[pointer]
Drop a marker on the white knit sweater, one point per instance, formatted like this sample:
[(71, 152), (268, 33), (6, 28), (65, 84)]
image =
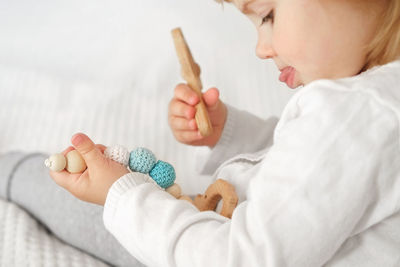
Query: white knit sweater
[(320, 188)]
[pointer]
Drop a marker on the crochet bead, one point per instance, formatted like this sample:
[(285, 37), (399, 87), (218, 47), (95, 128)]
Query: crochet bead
[(118, 153), (163, 173), (141, 160)]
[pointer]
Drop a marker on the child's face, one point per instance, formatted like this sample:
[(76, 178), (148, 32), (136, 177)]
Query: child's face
[(318, 38)]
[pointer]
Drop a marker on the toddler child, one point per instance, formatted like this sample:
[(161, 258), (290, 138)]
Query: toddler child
[(319, 187)]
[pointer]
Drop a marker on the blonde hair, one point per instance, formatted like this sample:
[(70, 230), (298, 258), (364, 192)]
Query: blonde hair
[(385, 46)]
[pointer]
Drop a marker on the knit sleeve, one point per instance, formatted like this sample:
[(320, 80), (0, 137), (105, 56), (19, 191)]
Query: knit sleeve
[(331, 173), (243, 133)]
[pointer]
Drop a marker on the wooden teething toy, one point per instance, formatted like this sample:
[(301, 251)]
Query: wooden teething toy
[(191, 73), (161, 173), (72, 161)]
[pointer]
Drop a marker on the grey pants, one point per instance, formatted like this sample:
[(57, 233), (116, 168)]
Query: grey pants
[(25, 181)]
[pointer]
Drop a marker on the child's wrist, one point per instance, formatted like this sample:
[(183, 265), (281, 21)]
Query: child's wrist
[(217, 136), (108, 186), (219, 129)]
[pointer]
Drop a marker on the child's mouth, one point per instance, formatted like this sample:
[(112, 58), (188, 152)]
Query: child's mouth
[(287, 76)]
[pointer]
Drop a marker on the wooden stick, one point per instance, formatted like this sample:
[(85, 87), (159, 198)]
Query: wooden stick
[(191, 73)]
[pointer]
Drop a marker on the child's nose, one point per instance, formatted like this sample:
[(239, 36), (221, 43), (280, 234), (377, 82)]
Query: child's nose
[(264, 48)]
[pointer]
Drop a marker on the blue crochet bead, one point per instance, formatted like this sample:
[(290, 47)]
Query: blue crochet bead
[(163, 173), (141, 160)]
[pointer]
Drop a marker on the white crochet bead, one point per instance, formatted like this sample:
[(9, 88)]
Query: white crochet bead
[(118, 153)]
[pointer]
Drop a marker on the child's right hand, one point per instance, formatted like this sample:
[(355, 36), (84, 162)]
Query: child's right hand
[(181, 113)]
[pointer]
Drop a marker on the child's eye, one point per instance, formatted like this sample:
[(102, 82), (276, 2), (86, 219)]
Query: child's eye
[(270, 16)]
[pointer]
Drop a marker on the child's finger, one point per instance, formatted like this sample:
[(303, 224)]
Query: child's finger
[(180, 109), (101, 147), (186, 94), (77, 183), (178, 123), (211, 98), (64, 178), (90, 153), (189, 136), (70, 148)]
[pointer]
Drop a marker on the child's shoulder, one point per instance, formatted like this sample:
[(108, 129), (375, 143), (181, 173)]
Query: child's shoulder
[(371, 97), (379, 85)]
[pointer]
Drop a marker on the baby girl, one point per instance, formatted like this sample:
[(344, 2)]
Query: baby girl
[(320, 187)]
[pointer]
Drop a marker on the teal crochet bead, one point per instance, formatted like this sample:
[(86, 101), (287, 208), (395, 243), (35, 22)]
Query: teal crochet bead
[(163, 173), (141, 160)]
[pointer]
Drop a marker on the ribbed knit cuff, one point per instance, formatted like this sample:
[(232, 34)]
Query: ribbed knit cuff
[(120, 187)]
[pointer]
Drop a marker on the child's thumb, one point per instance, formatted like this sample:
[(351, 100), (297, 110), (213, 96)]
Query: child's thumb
[(86, 148), (211, 98)]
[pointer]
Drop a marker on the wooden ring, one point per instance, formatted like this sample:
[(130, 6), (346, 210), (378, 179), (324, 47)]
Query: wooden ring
[(221, 189)]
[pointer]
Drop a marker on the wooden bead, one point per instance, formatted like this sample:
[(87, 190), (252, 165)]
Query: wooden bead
[(174, 190), (187, 198), (75, 162), (56, 162)]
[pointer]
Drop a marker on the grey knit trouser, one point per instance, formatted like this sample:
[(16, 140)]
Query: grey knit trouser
[(25, 181)]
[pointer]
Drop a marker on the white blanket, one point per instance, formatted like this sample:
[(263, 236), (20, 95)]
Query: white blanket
[(109, 68), (24, 242)]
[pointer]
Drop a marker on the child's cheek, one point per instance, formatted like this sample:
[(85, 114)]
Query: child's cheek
[(291, 36), (288, 44)]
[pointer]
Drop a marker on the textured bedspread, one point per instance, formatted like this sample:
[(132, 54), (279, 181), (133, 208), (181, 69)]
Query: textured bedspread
[(24, 242)]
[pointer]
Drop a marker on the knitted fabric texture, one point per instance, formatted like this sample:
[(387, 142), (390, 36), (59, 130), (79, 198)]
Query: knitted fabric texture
[(163, 173), (118, 153), (142, 160), (26, 242)]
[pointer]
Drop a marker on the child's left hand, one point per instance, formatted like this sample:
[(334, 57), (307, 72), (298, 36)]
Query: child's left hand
[(93, 184)]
